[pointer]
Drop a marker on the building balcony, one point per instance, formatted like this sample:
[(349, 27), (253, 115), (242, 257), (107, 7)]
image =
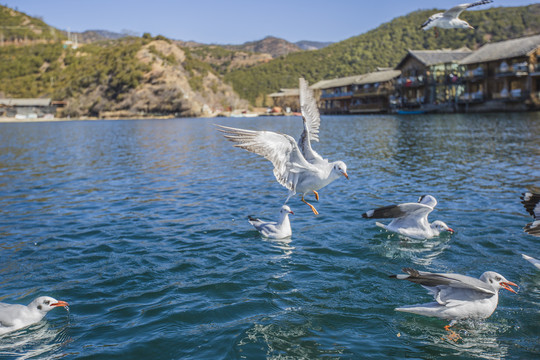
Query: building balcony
[(371, 92), (513, 95), (476, 97), (337, 95), (411, 81)]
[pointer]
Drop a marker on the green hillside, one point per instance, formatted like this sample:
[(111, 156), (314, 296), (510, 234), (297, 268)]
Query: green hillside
[(383, 46), (17, 26)]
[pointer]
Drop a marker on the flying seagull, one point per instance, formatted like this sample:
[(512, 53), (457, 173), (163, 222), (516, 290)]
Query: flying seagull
[(297, 166), (410, 219), (531, 202), (449, 19), (456, 296), (16, 316), (274, 230)]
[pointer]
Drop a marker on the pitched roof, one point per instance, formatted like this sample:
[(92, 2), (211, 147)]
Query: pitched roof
[(434, 57), (504, 50), (369, 78), (286, 92), (25, 102)]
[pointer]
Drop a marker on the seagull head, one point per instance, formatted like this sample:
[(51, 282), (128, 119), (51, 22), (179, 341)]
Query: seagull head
[(286, 210), (462, 24), (441, 226), (340, 168), (46, 303), (497, 281)]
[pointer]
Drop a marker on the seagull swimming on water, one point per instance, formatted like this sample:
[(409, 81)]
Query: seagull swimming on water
[(274, 230), (410, 219), (456, 296), (449, 19), (531, 202), (16, 316), (297, 166)]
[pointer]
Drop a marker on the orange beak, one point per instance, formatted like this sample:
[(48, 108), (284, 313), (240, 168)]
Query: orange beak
[(345, 174), (291, 212), (60, 303), (506, 285), (450, 231)]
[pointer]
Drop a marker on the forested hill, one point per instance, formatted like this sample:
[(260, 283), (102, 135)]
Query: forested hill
[(383, 46)]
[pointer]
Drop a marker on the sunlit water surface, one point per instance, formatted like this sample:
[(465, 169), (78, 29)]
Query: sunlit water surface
[(141, 226)]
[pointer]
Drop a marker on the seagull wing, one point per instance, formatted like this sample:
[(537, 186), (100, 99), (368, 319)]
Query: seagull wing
[(430, 19), (312, 122), (457, 281), (531, 202), (8, 314), (407, 212), (280, 149), (457, 10)]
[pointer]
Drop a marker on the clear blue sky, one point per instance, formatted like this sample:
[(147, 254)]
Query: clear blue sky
[(232, 21)]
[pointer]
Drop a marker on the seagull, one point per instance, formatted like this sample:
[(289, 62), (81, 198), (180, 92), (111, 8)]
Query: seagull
[(275, 230), (449, 19), (456, 296), (531, 202), (297, 166), (410, 219), (16, 316), (532, 260)]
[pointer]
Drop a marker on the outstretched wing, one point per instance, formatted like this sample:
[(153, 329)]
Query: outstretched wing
[(280, 149), (312, 122), (430, 19), (457, 10), (457, 281), (413, 211)]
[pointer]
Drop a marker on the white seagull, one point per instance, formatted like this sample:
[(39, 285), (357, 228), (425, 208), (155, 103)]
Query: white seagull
[(274, 230), (457, 296), (531, 202), (449, 19), (296, 165), (16, 316), (410, 219), (532, 260)]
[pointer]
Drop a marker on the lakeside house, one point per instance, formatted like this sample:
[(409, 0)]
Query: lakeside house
[(29, 108), (503, 76), (500, 76), (430, 80), (366, 93), (287, 99)]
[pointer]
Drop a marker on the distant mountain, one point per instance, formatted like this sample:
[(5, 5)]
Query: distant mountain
[(312, 45), (269, 45), (383, 46), (90, 36)]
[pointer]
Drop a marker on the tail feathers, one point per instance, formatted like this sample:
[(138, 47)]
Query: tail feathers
[(410, 273), (427, 309)]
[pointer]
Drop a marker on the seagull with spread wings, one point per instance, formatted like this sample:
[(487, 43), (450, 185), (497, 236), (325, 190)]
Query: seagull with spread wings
[(297, 166), (450, 18), (410, 219), (456, 296)]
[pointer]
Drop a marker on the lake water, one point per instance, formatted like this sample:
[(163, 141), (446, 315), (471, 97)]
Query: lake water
[(141, 226)]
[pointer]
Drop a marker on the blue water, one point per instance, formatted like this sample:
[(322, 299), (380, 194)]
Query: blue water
[(141, 226)]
